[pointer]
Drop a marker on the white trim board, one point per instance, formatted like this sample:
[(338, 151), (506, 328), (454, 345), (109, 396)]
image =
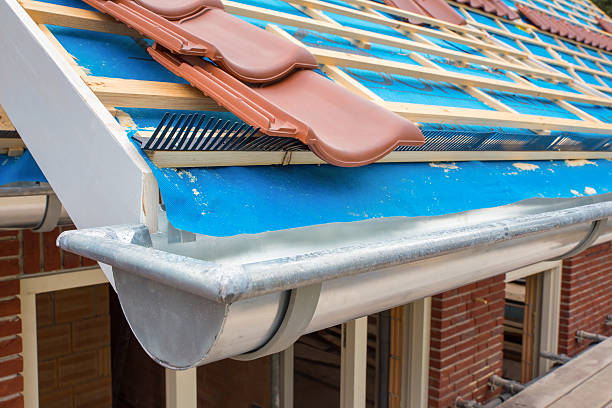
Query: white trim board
[(84, 153), (29, 287)]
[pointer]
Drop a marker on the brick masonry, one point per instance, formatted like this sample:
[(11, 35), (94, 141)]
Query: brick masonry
[(74, 347), (586, 297), (74, 339), (466, 342), (73, 327)]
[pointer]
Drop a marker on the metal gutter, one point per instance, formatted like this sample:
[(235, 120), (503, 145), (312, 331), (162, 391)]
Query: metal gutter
[(188, 311), (230, 283)]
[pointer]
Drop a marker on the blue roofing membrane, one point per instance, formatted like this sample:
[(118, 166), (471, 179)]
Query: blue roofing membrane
[(236, 200), (228, 201), (21, 168)]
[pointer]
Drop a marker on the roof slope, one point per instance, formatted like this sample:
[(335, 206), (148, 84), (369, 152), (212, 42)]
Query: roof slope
[(493, 89)]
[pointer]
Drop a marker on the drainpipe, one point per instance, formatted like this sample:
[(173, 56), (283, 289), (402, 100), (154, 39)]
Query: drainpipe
[(31, 206), (461, 403), (584, 335), (559, 358), (511, 386)]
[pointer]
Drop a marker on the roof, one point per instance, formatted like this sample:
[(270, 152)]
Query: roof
[(490, 97)]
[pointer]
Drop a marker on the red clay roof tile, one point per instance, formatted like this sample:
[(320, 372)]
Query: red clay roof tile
[(432, 8), (564, 28), (267, 81), (340, 127), (606, 25), (205, 33), (441, 10), (496, 7)]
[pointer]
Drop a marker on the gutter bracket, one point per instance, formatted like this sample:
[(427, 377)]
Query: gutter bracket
[(50, 219), (592, 235), (302, 305)]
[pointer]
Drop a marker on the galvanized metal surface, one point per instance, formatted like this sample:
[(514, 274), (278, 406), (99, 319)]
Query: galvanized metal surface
[(188, 311), (228, 283)]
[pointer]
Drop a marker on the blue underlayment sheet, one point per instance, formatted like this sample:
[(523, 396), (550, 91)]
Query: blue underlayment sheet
[(21, 168), (227, 201), (236, 200)]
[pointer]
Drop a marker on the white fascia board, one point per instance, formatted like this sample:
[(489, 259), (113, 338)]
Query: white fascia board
[(94, 169)]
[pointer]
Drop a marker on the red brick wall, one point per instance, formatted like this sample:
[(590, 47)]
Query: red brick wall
[(23, 252), (586, 297), (466, 342), (11, 363), (74, 367)]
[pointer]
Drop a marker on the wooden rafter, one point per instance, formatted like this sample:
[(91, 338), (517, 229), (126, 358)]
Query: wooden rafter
[(163, 95)]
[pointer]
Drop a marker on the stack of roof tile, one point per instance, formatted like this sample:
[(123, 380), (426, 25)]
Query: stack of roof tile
[(265, 80), (565, 29), (497, 7), (606, 25), (431, 8)]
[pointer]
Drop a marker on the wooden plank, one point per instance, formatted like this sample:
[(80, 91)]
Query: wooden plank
[(521, 39), (164, 159), (5, 122), (544, 392), (529, 324), (369, 36), (55, 14), (374, 17), (29, 351), (349, 60), (59, 15), (466, 116), (434, 22), (531, 269), (150, 94), (353, 363), (396, 350), (550, 310), (596, 392), (515, 292), (415, 362), (11, 143), (29, 287), (32, 285), (380, 66), (163, 95)]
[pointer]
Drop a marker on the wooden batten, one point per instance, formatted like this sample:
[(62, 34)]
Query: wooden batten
[(163, 95), (165, 159)]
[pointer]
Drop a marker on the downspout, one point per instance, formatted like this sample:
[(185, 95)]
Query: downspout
[(188, 311)]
